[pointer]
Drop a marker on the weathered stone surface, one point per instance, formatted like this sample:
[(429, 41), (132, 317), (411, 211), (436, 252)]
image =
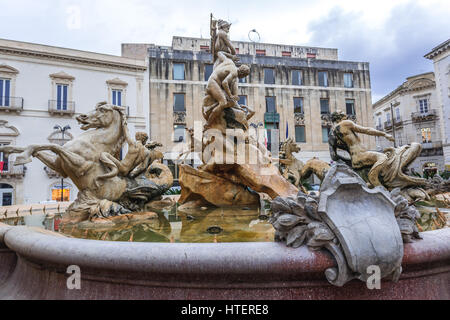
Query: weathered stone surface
[(361, 227), (203, 271), (364, 222), (201, 185)]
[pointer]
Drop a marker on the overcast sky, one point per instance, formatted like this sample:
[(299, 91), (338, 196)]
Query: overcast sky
[(393, 35)]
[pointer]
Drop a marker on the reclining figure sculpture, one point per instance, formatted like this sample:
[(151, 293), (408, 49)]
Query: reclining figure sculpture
[(107, 187)]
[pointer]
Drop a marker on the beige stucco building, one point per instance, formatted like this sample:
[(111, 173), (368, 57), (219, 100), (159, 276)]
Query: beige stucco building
[(291, 88), (415, 117), (440, 55), (45, 86)]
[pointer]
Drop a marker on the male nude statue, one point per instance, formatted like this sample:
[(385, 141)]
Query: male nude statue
[(344, 136), (222, 88), (222, 41)]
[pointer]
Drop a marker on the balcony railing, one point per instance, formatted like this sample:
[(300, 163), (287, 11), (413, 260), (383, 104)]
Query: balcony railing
[(272, 117), (52, 174), (424, 116), (379, 127), (11, 104), (11, 171), (388, 125), (61, 107), (432, 149)]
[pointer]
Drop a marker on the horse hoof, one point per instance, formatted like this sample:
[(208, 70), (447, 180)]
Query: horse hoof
[(21, 161)]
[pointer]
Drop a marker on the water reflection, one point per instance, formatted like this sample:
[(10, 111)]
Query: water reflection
[(212, 225)]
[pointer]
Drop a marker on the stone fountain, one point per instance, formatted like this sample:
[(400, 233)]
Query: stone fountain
[(360, 229)]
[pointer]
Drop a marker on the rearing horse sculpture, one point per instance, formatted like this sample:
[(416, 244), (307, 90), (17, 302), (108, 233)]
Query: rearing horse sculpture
[(79, 160)]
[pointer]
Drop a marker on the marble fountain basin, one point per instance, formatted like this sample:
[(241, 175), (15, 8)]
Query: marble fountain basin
[(183, 258)]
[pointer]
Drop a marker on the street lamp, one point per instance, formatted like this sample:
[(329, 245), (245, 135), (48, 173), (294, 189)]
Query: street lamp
[(393, 105), (62, 130)]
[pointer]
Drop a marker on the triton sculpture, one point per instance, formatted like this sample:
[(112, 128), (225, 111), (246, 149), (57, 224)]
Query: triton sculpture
[(107, 186), (385, 168)]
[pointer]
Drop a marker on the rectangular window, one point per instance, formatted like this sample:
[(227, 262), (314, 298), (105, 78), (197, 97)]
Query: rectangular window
[(350, 107), (323, 78), (300, 134), (423, 106), (243, 80), (298, 105), (296, 78), (397, 114), (243, 100), (178, 102), (178, 71), (179, 132), (325, 134), (426, 135), (208, 71), (61, 96), (5, 85), (348, 80), (379, 122), (269, 77), (270, 105), (324, 106), (388, 117), (260, 52), (117, 97)]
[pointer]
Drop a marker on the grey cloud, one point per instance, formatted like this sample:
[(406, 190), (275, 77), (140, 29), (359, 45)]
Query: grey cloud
[(395, 50)]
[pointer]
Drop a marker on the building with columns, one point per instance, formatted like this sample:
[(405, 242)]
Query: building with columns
[(44, 86), (415, 116), (440, 56), (291, 88)]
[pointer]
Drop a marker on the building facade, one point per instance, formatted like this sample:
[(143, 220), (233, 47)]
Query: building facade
[(415, 116), (291, 88), (42, 87), (440, 56)]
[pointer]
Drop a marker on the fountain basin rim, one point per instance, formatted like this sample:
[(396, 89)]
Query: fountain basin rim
[(239, 257)]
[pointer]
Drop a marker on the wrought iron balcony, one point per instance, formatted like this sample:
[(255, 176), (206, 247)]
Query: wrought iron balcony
[(388, 125), (271, 117), (61, 107), (424, 116), (11, 104), (10, 171), (52, 174), (432, 149), (179, 117), (379, 127)]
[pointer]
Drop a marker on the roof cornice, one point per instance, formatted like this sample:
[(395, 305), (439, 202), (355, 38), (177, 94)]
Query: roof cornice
[(12, 48), (438, 50)]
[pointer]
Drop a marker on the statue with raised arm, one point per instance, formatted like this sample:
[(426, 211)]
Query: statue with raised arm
[(385, 168), (220, 41)]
